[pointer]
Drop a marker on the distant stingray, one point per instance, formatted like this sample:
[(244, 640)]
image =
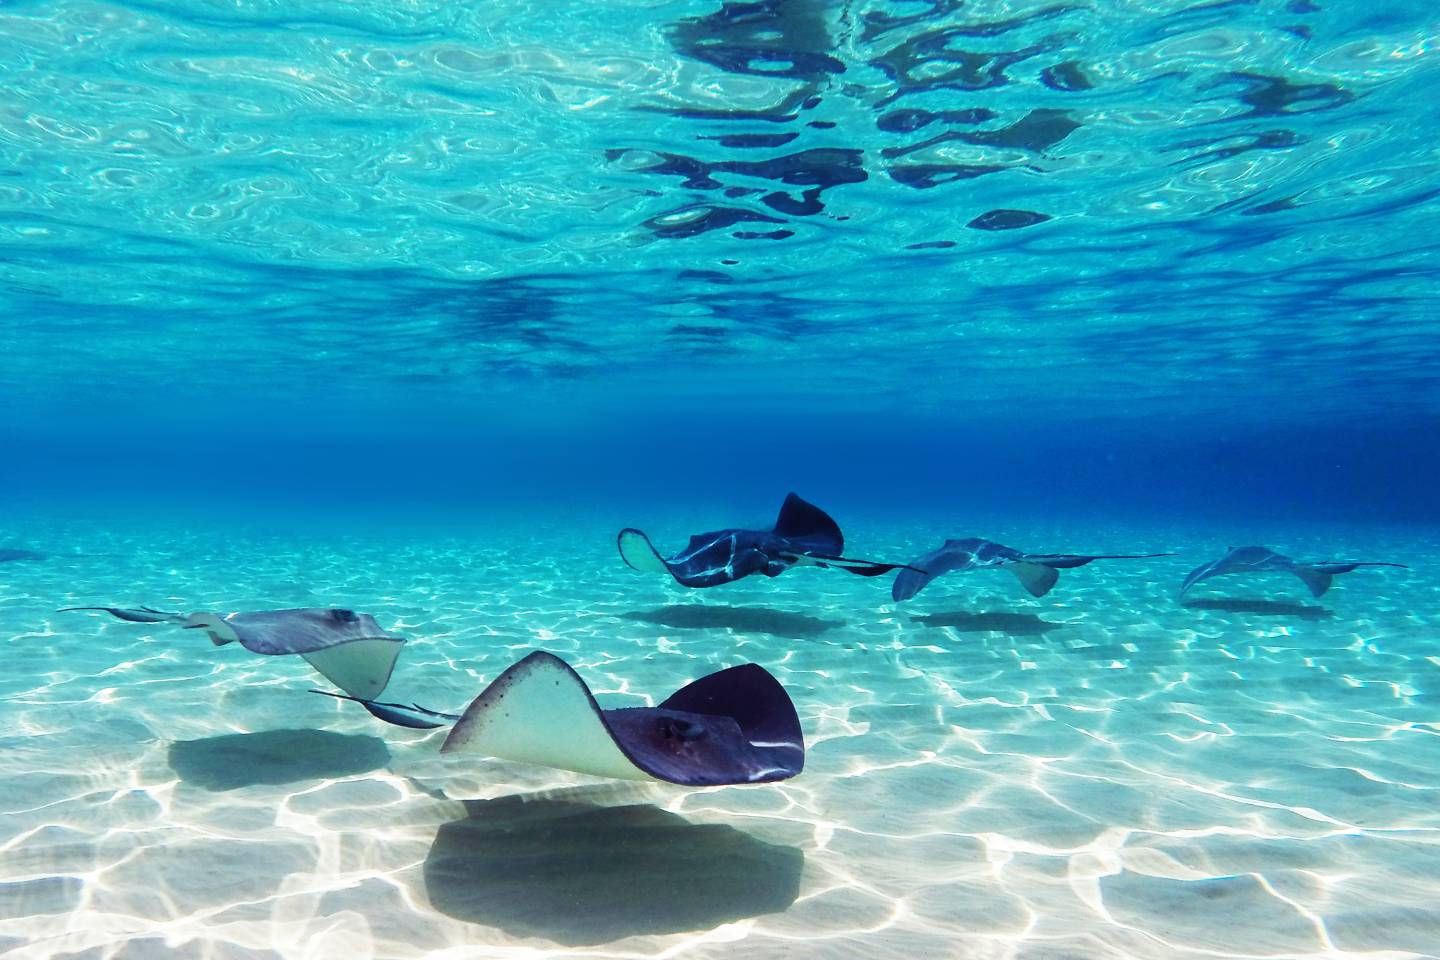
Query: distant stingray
[(10, 554), (803, 534), (1316, 576), (347, 648), (1037, 572)]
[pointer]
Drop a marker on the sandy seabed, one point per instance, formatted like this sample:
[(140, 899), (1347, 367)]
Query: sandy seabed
[(1102, 773)]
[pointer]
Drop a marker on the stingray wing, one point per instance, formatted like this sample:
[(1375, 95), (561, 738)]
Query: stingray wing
[(540, 711), (762, 711), (951, 555), (347, 648), (708, 560), (809, 529)]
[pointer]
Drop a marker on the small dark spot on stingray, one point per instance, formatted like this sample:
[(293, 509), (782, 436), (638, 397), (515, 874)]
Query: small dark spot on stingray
[(932, 245), (811, 104), (1007, 220)]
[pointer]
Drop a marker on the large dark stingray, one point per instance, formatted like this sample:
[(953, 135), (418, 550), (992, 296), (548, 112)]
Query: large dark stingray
[(347, 648), (803, 534), (1037, 572), (734, 726), (1316, 576)]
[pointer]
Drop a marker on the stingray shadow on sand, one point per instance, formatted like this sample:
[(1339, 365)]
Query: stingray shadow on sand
[(1014, 624), (701, 616), (579, 874), (236, 760), (1273, 608)]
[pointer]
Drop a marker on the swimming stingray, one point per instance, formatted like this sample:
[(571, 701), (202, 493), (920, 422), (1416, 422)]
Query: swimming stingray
[(10, 554), (347, 648), (803, 534), (734, 726), (1316, 576), (1037, 572)]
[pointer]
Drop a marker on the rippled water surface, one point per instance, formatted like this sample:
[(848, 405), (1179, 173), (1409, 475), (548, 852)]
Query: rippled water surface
[(936, 199)]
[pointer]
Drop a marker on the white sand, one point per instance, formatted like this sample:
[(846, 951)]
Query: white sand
[(1099, 774)]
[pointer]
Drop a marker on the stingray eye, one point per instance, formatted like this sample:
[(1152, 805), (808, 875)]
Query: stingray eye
[(672, 728), (343, 616)]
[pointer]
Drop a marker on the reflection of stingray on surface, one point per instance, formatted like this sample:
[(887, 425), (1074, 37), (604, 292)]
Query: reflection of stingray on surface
[(1279, 608), (777, 623), (579, 875), (1015, 624), (275, 756)]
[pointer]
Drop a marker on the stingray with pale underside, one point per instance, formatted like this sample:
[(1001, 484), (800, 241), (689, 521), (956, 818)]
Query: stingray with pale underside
[(347, 648), (1317, 577), (735, 726), (1037, 572), (803, 534)]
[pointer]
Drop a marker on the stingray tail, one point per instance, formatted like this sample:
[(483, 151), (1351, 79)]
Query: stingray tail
[(861, 568), (133, 614), (400, 714)]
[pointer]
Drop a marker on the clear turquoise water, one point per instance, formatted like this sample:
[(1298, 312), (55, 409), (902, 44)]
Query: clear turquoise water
[(408, 308)]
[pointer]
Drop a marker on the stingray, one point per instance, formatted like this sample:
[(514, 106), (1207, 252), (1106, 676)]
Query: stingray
[(1037, 572), (10, 554), (347, 648), (803, 534), (1316, 576), (731, 727)]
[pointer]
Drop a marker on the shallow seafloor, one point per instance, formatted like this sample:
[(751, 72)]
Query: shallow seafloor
[(1101, 773)]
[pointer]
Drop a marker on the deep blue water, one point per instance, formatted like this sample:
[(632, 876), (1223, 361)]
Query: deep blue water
[(1171, 256)]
